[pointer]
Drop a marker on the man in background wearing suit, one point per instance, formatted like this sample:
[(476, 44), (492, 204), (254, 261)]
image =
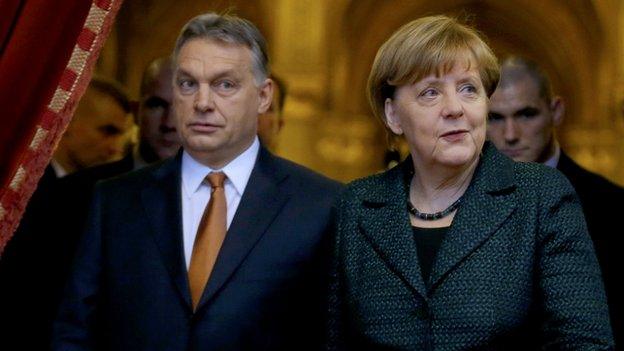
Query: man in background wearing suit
[(524, 115), (39, 253), (217, 248)]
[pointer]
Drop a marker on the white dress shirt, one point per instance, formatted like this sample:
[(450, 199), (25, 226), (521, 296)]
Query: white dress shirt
[(554, 160), (196, 193)]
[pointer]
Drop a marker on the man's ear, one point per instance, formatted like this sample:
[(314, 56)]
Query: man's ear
[(392, 119), (557, 109), (266, 95)]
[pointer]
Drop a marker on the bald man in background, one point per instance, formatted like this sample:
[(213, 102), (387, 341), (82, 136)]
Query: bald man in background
[(524, 116), (271, 122)]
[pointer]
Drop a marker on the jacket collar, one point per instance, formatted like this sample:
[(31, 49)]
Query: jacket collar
[(487, 203)]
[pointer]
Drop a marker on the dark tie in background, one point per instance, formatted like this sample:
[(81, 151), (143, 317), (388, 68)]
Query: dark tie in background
[(210, 235)]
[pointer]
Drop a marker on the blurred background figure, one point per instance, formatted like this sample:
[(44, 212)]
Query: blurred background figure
[(100, 130), (158, 138), (271, 122), (523, 120)]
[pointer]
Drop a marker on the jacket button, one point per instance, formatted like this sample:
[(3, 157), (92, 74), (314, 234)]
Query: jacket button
[(422, 312)]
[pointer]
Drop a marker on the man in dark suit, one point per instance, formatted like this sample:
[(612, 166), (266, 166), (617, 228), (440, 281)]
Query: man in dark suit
[(524, 115), (217, 248), (39, 253)]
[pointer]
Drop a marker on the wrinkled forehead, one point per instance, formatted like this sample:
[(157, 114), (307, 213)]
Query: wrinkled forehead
[(205, 53)]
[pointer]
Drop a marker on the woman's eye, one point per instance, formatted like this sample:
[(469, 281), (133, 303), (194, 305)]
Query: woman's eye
[(469, 88), (429, 93)]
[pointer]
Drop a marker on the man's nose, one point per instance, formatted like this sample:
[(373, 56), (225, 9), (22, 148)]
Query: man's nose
[(204, 99), (167, 122), (511, 131)]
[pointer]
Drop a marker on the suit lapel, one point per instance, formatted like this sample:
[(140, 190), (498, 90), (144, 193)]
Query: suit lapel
[(162, 202), (486, 205), (385, 222), (260, 204)]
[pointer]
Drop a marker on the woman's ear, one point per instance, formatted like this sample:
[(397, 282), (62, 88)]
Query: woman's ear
[(392, 119)]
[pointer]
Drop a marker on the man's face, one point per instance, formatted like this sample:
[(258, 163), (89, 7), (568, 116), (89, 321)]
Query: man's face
[(216, 100), (99, 132), (158, 132), (271, 122), (522, 123)]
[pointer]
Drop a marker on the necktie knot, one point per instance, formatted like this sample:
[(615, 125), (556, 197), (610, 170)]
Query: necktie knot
[(216, 179)]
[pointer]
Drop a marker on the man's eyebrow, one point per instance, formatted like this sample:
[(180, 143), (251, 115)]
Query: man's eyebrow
[(155, 101), (225, 73), (183, 72), (527, 111)]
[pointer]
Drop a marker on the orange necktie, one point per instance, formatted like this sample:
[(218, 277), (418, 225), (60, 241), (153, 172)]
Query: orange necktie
[(210, 235)]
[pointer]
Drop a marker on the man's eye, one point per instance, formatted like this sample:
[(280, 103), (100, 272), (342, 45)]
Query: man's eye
[(493, 117), (186, 84), (109, 130), (225, 85), (154, 102)]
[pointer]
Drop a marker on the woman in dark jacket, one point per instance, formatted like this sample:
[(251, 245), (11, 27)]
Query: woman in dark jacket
[(458, 247)]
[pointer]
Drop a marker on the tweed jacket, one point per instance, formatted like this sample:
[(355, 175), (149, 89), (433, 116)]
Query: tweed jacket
[(516, 270)]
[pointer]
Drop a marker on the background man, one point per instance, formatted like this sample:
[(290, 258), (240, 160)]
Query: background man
[(38, 255), (524, 116), (158, 138), (272, 121), (218, 248), (99, 131)]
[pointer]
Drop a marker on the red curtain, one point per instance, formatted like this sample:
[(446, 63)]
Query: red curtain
[(47, 53)]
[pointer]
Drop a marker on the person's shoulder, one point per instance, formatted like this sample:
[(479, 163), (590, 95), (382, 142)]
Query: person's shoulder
[(587, 181), (374, 186), (91, 175), (139, 177), (541, 179), (311, 179)]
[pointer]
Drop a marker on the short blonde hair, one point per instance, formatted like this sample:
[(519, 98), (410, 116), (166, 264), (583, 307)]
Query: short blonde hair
[(425, 46)]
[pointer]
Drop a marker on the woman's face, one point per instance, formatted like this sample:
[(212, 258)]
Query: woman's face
[(443, 118)]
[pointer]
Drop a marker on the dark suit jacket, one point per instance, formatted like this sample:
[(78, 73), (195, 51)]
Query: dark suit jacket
[(602, 203), (129, 288), (33, 259), (75, 193), (516, 270)]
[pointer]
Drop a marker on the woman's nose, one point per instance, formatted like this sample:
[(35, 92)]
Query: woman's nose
[(452, 106)]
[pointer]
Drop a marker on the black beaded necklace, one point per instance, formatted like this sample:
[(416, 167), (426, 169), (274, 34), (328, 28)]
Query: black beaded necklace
[(432, 216)]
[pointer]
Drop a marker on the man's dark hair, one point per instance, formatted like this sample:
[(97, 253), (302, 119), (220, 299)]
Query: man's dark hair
[(113, 89)]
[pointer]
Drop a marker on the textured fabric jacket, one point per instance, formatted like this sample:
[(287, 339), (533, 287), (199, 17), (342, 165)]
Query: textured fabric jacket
[(516, 270)]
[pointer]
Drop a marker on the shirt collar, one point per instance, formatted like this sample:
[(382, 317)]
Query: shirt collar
[(58, 169), (237, 171), (554, 160)]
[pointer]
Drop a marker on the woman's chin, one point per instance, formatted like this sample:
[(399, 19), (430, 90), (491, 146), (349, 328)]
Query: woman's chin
[(457, 157)]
